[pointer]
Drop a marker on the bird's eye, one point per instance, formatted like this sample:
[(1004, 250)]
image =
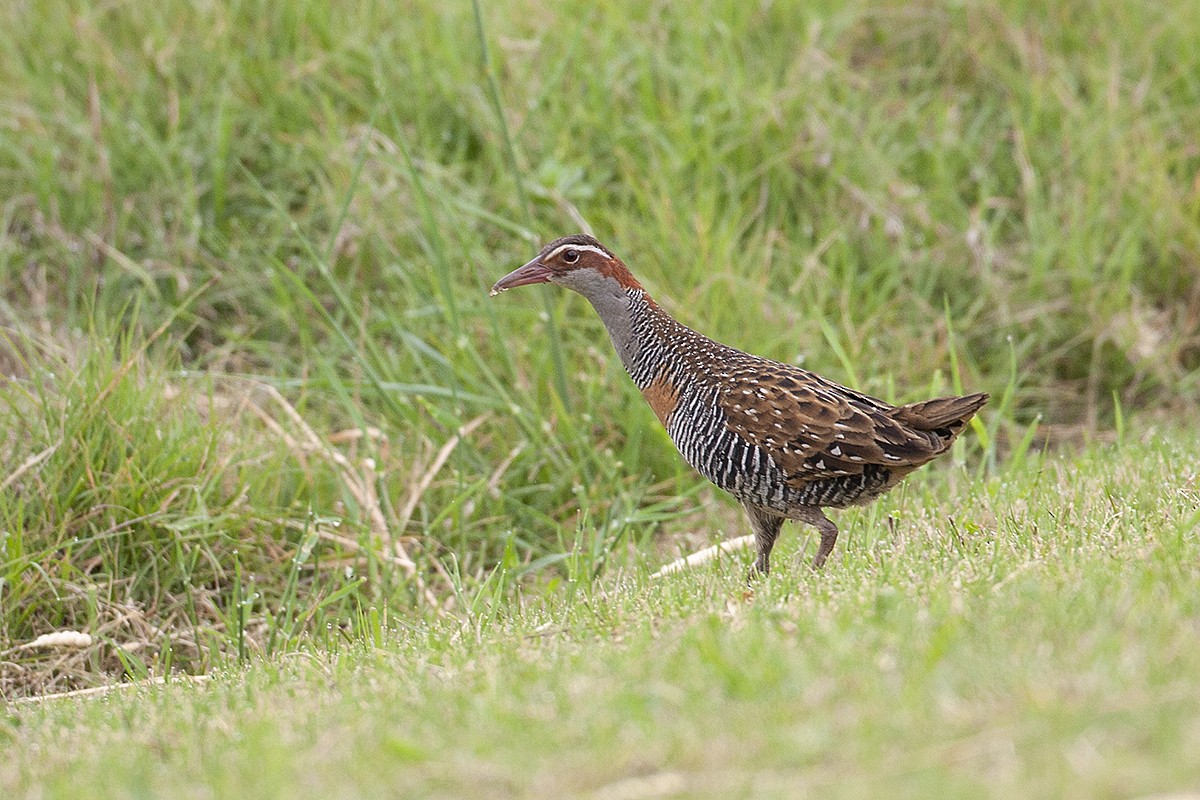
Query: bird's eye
[(571, 256)]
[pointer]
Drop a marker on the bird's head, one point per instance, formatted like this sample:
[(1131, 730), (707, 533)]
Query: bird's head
[(577, 262)]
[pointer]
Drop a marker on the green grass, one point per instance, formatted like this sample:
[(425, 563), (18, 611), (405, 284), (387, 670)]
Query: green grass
[(256, 401), (1045, 650)]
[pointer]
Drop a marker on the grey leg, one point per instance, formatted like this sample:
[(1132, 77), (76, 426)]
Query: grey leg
[(766, 528), (829, 532)]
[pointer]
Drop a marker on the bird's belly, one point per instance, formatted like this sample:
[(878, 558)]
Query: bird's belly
[(749, 473), (732, 463), (846, 490)]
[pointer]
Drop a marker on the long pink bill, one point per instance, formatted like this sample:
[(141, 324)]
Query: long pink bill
[(533, 272)]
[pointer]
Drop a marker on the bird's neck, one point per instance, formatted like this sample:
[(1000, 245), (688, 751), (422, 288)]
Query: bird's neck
[(639, 330)]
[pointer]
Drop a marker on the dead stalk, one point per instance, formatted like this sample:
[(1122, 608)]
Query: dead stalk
[(29, 464), (707, 554)]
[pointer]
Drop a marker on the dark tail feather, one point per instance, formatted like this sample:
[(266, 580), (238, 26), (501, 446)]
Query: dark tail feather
[(944, 416)]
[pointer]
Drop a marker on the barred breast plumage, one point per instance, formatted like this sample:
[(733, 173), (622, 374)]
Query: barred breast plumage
[(782, 440)]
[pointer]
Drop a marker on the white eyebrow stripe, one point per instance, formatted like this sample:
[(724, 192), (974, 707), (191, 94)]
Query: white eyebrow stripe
[(589, 247)]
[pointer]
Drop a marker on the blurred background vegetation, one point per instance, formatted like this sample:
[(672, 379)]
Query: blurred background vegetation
[(254, 386)]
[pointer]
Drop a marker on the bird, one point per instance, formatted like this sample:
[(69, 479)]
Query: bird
[(784, 441)]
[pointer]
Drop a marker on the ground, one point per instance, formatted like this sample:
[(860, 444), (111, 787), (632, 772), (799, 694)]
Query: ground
[(1031, 635)]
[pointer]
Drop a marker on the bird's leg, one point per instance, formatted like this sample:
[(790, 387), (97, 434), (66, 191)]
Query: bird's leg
[(829, 533), (766, 528)]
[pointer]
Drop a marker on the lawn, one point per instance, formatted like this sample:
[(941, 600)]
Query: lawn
[(1043, 646), (265, 436)]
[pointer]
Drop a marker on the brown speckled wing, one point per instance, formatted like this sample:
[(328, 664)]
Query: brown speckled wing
[(814, 428)]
